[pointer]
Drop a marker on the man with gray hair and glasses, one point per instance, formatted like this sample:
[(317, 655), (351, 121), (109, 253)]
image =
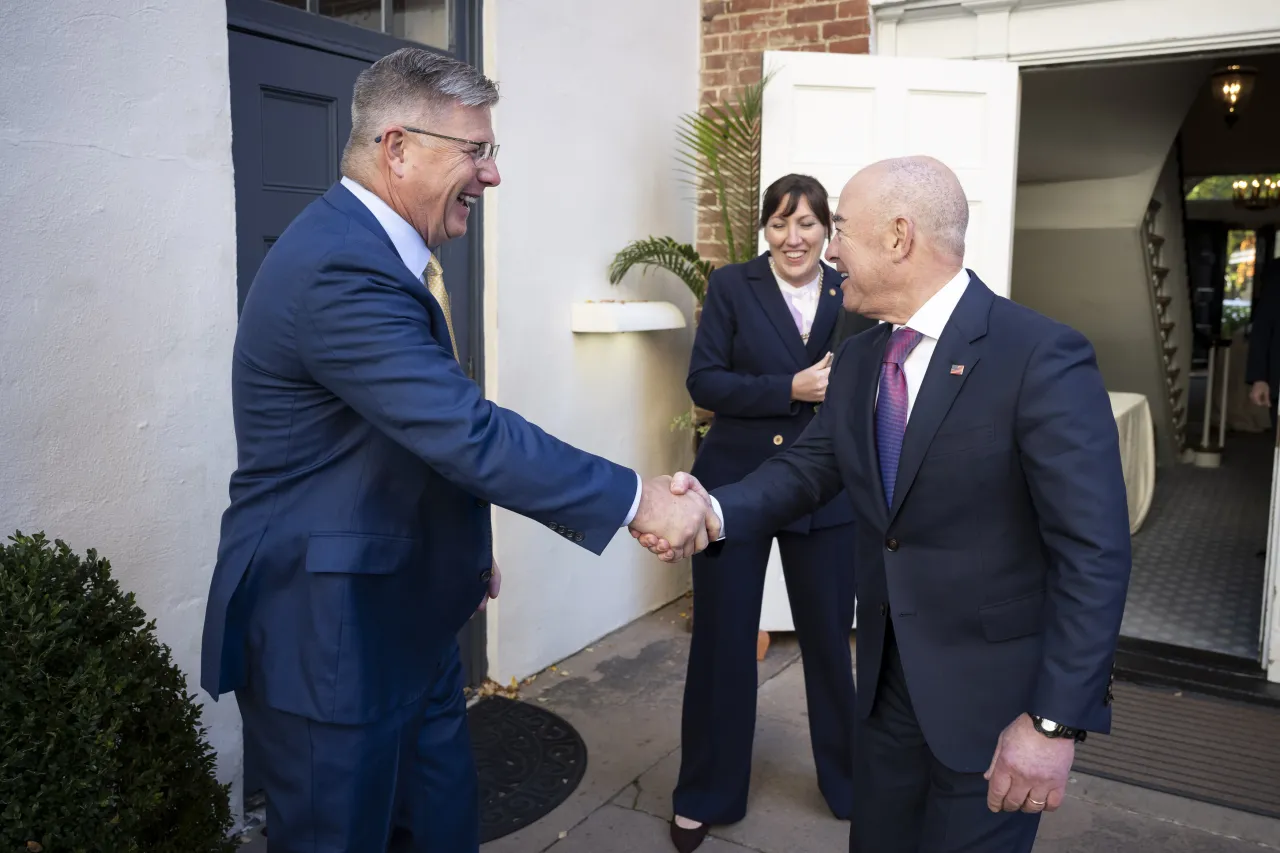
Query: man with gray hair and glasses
[(357, 542)]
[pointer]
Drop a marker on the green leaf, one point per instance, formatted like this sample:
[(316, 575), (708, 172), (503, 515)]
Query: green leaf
[(679, 259)]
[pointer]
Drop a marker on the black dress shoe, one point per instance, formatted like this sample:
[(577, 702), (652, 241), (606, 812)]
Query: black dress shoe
[(688, 840)]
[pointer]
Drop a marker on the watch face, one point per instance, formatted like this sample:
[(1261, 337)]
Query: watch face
[(1048, 725)]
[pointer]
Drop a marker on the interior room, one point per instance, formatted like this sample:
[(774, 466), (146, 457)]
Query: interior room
[(1139, 224)]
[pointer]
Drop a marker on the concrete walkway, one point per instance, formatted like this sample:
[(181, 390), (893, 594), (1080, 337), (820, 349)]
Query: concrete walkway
[(623, 695)]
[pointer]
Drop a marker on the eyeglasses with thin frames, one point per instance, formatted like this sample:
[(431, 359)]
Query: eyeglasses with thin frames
[(484, 150)]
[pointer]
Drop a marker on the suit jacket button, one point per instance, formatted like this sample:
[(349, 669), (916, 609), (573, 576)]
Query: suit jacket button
[(578, 537), (777, 439), (486, 576), (815, 408), (884, 609), (891, 544)]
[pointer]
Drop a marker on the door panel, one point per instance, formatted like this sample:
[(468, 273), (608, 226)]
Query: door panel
[(829, 115), (291, 116)]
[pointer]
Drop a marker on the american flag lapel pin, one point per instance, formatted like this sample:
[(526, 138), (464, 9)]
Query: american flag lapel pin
[(957, 370)]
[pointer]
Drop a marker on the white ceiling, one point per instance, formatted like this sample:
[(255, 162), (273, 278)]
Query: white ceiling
[(1103, 121)]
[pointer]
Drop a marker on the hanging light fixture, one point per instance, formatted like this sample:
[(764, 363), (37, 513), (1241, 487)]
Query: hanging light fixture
[(1256, 193), (1232, 87)]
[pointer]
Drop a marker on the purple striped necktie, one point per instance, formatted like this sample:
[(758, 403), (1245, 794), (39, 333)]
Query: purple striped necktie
[(891, 406)]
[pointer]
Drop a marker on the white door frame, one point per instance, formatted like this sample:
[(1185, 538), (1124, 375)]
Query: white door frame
[(1054, 32)]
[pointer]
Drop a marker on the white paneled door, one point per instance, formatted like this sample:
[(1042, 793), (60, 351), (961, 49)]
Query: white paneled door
[(828, 115)]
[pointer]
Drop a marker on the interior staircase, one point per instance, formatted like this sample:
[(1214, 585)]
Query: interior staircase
[(1175, 416)]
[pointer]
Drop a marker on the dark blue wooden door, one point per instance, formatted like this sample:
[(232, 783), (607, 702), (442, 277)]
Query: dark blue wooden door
[(290, 118)]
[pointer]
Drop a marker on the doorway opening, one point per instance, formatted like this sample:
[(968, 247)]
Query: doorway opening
[(1127, 228)]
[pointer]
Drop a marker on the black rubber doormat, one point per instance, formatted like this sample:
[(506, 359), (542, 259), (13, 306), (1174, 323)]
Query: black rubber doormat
[(1206, 749), (529, 761)]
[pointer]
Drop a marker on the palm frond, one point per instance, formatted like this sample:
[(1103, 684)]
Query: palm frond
[(679, 259), (721, 152)]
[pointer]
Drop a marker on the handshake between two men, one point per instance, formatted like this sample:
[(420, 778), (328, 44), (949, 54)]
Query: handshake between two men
[(675, 518)]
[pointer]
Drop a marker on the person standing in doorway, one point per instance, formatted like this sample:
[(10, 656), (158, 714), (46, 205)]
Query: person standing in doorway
[(760, 362), (357, 542)]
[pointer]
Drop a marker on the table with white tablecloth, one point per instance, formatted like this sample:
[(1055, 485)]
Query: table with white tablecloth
[(1137, 459), (1137, 452)]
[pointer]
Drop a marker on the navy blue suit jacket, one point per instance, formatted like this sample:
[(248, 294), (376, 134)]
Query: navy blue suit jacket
[(1004, 560), (744, 356), (357, 541)]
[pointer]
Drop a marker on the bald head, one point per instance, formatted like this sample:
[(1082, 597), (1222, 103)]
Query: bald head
[(899, 235), (922, 190)]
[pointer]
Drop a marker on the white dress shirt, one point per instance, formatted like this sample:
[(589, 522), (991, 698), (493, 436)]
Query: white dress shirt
[(415, 255), (804, 299), (929, 321)]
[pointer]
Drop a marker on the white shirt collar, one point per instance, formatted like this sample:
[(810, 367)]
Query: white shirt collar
[(787, 287), (409, 244), (932, 316)]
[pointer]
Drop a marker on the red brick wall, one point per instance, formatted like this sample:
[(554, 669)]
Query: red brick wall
[(735, 33)]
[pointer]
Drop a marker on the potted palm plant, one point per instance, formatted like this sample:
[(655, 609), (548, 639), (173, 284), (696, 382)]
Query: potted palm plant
[(719, 151)]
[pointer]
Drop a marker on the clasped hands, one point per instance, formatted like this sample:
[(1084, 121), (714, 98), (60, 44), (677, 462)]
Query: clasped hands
[(675, 519)]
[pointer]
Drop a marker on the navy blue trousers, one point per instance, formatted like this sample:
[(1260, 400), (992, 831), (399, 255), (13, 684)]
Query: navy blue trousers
[(404, 784), (906, 801), (719, 716)]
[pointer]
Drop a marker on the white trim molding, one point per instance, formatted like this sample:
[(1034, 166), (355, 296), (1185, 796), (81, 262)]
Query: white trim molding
[(1051, 32)]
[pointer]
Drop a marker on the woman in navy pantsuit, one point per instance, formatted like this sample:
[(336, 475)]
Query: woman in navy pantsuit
[(760, 362)]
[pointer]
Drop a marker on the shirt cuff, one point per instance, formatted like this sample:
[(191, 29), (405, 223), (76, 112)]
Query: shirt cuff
[(715, 507), (635, 504)]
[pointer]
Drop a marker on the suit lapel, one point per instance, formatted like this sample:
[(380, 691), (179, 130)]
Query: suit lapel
[(824, 321), (864, 410), (959, 346), (774, 305)]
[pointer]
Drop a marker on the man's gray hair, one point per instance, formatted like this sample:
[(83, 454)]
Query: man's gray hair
[(409, 87), (928, 193)]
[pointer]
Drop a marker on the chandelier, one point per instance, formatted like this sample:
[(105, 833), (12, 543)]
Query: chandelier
[(1232, 87), (1256, 194)]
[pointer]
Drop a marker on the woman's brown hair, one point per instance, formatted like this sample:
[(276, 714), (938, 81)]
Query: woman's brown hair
[(783, 197)]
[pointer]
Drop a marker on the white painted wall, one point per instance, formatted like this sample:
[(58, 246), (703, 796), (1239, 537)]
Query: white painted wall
[(1104, 121), (587, 124), (117, 310)]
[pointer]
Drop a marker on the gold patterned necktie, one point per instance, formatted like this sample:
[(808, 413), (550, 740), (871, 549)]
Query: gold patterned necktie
[(434, 278)]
